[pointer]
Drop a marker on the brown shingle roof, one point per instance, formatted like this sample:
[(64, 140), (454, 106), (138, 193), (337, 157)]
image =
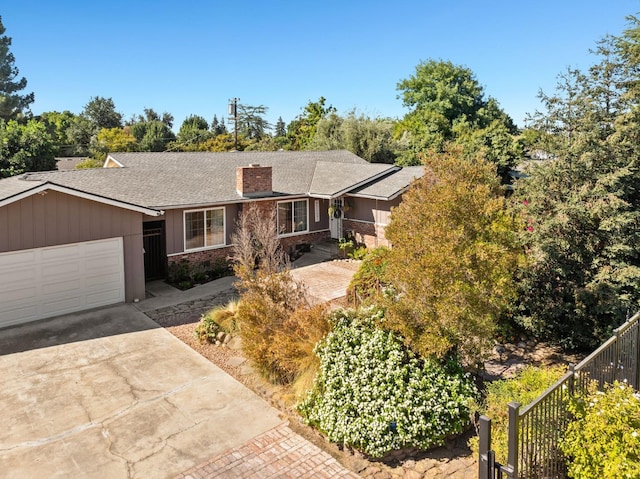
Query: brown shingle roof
[(391, 185), (166, 180)]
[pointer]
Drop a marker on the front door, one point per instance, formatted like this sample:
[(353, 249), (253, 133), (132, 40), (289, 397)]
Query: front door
[(155, 256), (336, 212)]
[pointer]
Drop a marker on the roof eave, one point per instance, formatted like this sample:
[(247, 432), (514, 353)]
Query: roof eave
[(232, 202), (46, 186), (371, 197), (356, 185)]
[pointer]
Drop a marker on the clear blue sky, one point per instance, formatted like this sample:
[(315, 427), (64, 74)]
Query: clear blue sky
[(190, 57)]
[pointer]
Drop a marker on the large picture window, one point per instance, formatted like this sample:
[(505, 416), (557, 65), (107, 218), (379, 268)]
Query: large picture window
[(292, 217), (204, 228)]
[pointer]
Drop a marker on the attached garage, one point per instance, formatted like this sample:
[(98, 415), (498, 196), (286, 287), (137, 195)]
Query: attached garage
[(44, 282), (64, 250)]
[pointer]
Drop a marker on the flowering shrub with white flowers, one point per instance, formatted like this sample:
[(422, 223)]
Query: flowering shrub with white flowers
[(375, 395), (603, 439)]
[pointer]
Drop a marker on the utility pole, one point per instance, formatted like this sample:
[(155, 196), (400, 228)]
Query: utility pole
[(233, 115)]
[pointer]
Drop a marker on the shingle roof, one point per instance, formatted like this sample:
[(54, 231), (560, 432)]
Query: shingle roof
[(14, 186), (391, 185), (68, 163), (329, 180), (166, 180)]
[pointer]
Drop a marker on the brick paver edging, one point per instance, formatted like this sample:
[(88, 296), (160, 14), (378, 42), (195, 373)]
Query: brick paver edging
[(278, 453)]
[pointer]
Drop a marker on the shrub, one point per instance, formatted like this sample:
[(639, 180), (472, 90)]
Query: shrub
[(603, 439), (225, 316), (279, 328), (179, 272), (375, 395), (184, 274), (207, 329), (524, 388), (369, 281), (277, 325), (293, 346), (359, 253), (346, 246), (220, 318), (219, 269)]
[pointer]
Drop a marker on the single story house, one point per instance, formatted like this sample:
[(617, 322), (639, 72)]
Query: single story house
[(78, 239)]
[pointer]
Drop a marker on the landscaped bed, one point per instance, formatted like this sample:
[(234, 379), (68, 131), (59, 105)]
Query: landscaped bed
[(454, 459)]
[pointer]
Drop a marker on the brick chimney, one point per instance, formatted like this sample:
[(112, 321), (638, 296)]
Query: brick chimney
[(253, 180)]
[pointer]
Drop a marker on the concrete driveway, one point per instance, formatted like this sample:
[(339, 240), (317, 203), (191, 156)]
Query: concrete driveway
[(109, 394)]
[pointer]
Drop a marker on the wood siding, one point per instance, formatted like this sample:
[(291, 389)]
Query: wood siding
[(370, 211), (367, 219), (57, 218)]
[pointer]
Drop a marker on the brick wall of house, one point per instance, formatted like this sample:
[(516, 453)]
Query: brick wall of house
[(212, 256), (253, 179), (370, 234), (290, 242)]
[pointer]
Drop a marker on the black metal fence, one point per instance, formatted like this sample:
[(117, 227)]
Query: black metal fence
[(535, 430)]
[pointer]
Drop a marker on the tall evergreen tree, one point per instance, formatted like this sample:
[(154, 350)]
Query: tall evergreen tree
[(281, 128), (12, 103), (582, 208), (218, 127), (251, 122)]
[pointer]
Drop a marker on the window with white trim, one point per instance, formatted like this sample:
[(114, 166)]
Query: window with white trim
[(204, 229), (292, 217)]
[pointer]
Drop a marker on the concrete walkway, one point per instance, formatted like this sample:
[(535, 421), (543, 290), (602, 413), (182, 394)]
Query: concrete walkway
[(163, 295)]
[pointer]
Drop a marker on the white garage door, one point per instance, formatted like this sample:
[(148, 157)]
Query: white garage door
[(44, 282)]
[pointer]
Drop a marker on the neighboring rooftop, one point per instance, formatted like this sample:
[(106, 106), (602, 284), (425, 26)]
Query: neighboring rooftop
[(68, 163)]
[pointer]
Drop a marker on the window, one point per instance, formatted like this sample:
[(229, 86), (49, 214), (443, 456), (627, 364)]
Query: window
[(292, 217), (204, 228)]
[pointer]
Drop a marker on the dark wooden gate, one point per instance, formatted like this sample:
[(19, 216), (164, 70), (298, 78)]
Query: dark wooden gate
[(155, 255)]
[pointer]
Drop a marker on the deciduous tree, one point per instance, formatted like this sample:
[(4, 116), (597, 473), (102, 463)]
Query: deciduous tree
[(302, 130), (445, 100), (116, 139), (58, 125), (157, 135), (25, 147), (371, 139), (453, 256), (194, 129), (102, 113)]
